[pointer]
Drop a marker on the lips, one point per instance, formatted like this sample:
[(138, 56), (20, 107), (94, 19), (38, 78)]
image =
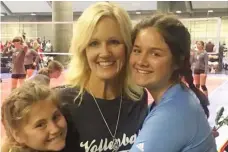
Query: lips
[(55, 138), (141, 71), (106, 63)]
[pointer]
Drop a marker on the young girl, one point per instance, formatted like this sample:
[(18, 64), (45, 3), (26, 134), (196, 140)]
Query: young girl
[(18, 55), (32, 120), (160, 57), (200, 61), (53, 70), (29, 64)]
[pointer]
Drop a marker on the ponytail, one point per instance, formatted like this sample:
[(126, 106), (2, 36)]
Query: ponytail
[(44, 71), (187, 73)]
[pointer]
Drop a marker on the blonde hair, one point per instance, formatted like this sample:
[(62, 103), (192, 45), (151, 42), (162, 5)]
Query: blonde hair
[(78, 70), (16, 108), (36, 45), (52, 67)]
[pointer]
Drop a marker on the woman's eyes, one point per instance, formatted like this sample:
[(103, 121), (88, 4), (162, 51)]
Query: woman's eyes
[(109, 42), (94, 43), (114, 42), (136, 50)]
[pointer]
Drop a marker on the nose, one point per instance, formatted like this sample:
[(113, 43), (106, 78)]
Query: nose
[(54, 128), (142, 61), (105, 52)]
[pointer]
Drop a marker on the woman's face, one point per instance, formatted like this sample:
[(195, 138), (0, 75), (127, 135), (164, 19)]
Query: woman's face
[(151, 60), (18, 45), (200, 45), (106, 51)]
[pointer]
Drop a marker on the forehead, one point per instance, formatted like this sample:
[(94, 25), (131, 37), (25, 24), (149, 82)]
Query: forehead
[(107, 26), (41, 110), (151, 37), (17, 42)]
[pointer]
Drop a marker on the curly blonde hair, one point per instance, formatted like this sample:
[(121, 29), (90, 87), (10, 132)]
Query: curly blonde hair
[(17, 106)]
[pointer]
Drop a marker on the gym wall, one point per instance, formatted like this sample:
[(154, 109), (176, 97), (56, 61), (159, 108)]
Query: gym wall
[(200, 29)]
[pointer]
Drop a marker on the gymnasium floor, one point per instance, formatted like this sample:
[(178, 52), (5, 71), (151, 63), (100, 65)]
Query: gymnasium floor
[(217, 87)]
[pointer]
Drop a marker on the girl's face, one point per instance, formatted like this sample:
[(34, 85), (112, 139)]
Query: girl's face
[(200, 45), (151, 60), (45, 128)]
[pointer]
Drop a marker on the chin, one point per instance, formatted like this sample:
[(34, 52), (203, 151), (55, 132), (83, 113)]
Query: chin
[(140, 82), (108, 76), (58, 147)]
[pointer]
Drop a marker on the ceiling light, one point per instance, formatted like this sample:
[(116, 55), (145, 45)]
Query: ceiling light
[(178, 12), (210, 11), (138, 13), (33, 14)]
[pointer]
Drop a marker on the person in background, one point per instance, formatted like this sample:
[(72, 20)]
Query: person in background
[(209, 46), (24, 37), (53, 70), (29, 62), (48, 46), (18, 55), (106, 107), (1, 46), (33, 121), (37, 48), (200, 61), (159, 59)]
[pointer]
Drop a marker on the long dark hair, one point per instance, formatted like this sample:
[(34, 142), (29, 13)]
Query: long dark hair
[(178, 39)]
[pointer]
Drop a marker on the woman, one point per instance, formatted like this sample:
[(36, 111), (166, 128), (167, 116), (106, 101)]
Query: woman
[(18, 55), (107, 109), (29, 62), (200, 61), (160, 57)]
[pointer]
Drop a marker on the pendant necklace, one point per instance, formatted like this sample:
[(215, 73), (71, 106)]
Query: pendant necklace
[(115, 142)]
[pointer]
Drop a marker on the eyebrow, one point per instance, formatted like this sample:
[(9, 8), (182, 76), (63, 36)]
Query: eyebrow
[(151, 48), (53, 113), (110, 38)]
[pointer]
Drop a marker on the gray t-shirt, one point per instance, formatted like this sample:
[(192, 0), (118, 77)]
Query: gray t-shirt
[(200, 60), (18, 57), (30, 55)]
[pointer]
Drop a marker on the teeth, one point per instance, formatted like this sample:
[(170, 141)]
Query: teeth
[(105, 63), (143, 72)]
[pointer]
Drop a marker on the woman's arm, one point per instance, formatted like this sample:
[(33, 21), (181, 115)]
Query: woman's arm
[(7, 52), (35, 54)]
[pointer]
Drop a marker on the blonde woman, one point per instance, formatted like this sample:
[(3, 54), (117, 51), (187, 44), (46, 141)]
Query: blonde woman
[(33, 120), (107, 108)]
